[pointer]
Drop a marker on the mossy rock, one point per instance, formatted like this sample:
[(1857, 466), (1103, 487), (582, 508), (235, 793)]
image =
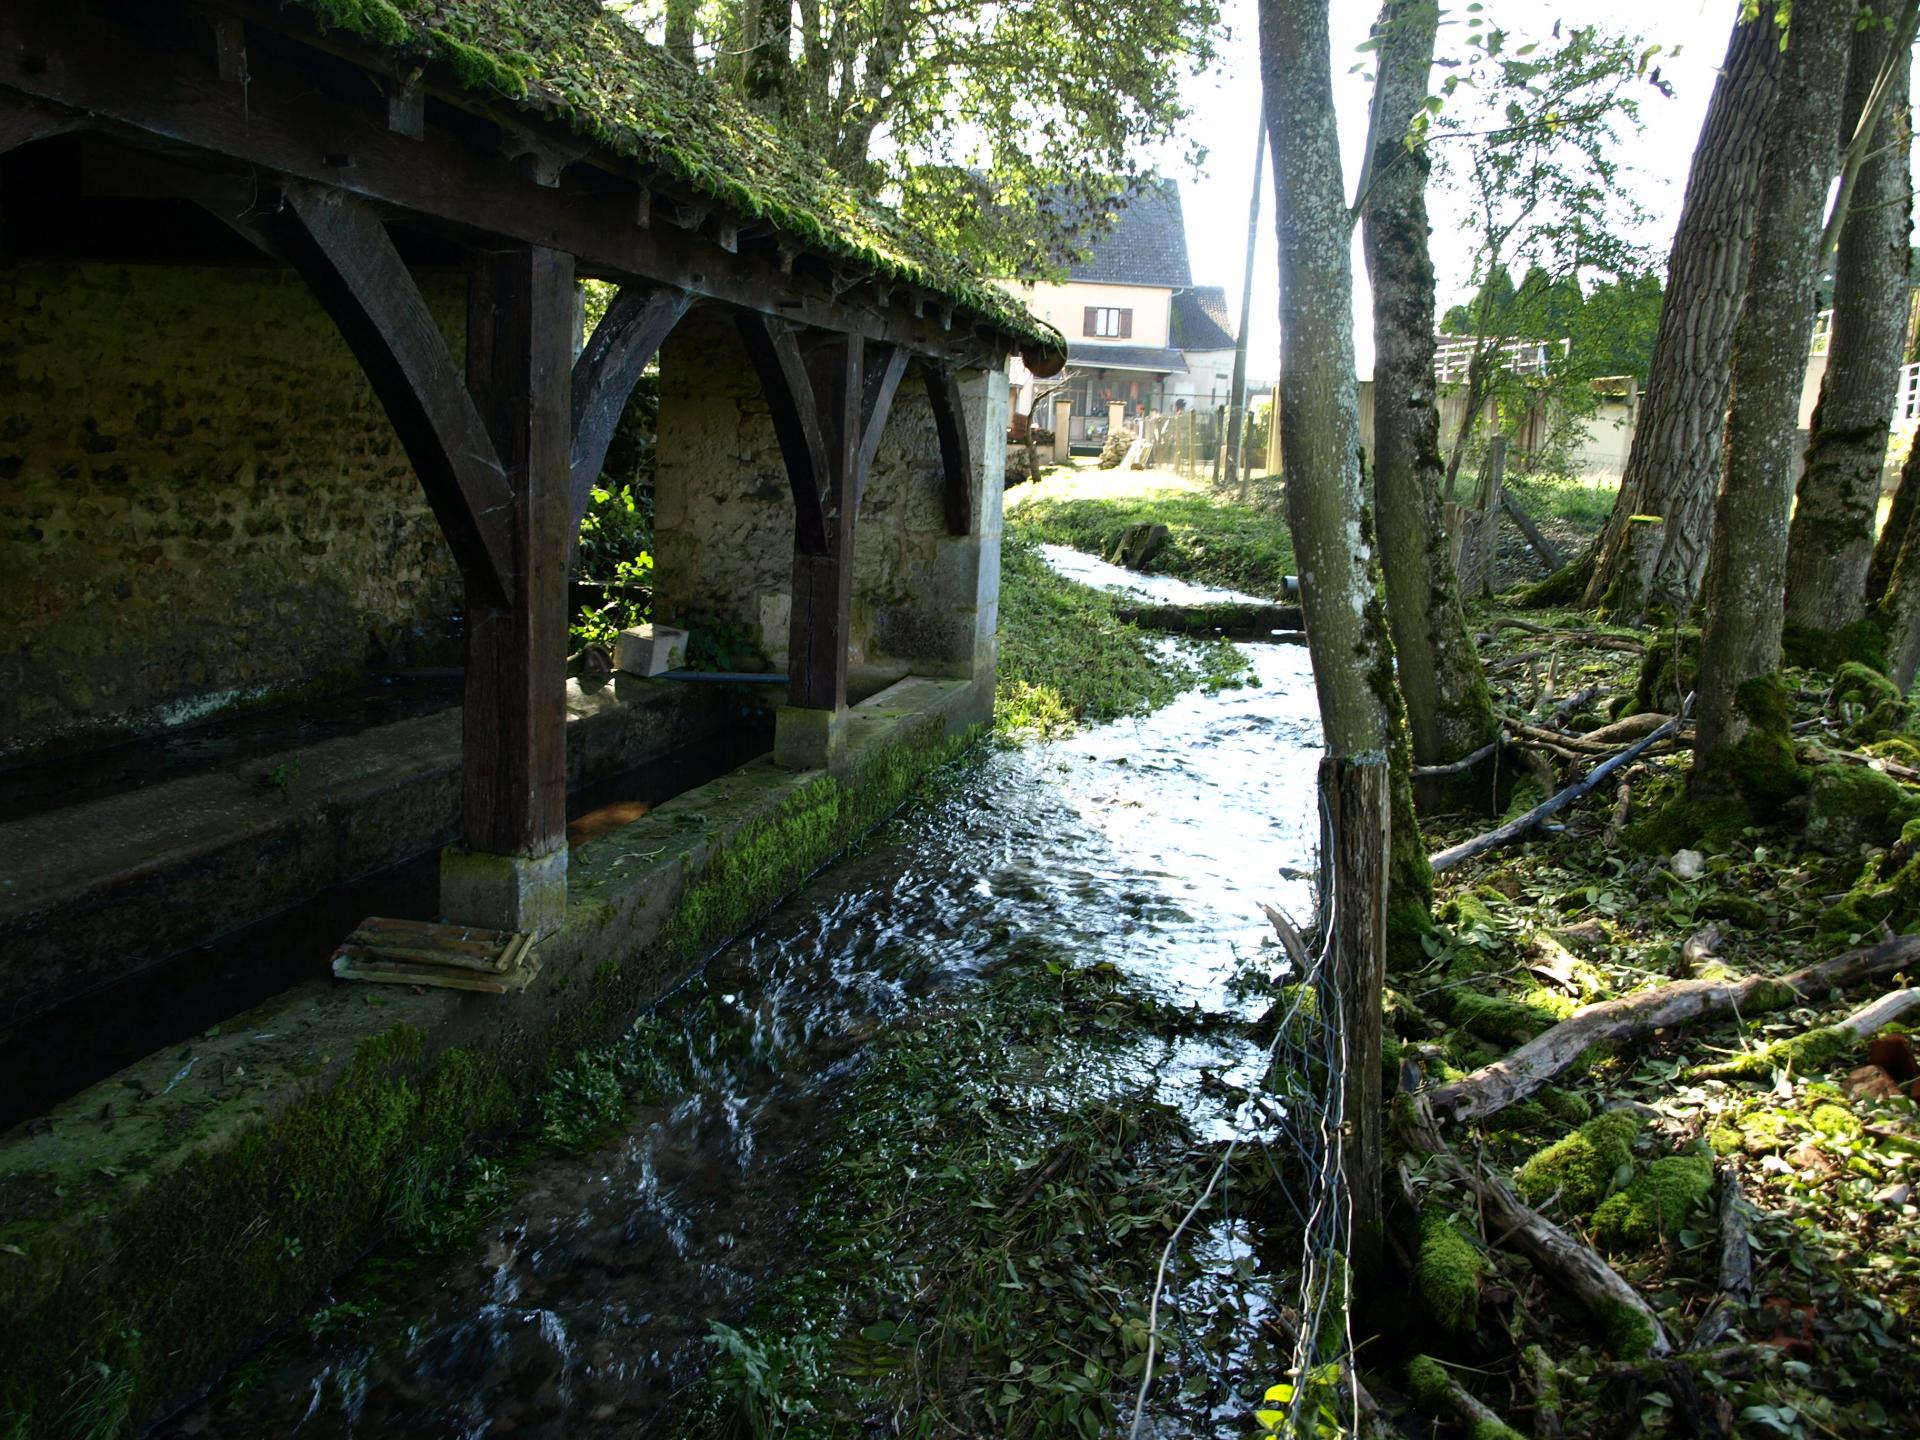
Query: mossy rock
[(1710, 823), (1565, 1106), (1871, 702), (1834, 1121), (1655, 1204), (1852, 805), (1447, 1272), (1901, 749), (1739, 910), (1581, 1167), (1469, 911), (1430, 1390)]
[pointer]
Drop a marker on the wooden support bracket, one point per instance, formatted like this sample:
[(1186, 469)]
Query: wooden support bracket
[(774, 349), (22, 122), (340, 246), (230, 49), (407, 105), (881, 383), (956, 444), (625, 341)]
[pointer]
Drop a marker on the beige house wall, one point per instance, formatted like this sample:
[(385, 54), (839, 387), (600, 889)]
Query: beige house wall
[(1064, 307)]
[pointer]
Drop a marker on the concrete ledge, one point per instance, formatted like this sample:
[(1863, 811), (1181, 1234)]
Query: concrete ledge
[(99, 891), (160, 1223)]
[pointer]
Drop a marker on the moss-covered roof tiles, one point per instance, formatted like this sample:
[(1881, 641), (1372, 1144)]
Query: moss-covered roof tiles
[(580, 63)]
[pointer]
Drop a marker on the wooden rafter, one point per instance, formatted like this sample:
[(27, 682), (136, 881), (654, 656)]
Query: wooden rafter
[(627, 338), (340, 246), (956, 449), (22, 122)]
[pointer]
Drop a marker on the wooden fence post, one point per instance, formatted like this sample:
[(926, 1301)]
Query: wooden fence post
[(1355, 794)]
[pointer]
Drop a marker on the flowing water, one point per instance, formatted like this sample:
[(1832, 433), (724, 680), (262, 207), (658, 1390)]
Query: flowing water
[(582, 1308)]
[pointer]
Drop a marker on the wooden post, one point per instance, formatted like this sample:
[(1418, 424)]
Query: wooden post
[(512, 871), (1062, 431), (823, 572), (1355, 796)]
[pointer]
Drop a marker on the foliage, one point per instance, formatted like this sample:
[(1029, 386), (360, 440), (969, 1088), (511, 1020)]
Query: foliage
[(1060, 107), (1527, 137), (1066, 657)]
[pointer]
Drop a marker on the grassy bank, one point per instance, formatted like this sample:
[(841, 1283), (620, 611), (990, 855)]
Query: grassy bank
[(1214, 539), (1067, 659)]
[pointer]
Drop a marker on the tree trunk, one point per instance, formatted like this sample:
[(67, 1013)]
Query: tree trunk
[(1831, 541), (1898, 608), (768, 62), (1673, 468), (1744, 744), (1320, 436), (680, 31), (1893, 537), (1449, 708)]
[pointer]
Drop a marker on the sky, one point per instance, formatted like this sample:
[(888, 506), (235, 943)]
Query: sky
[(1225, 104)]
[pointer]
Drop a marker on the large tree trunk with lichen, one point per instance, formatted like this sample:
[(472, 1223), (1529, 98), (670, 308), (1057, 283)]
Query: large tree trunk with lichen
[(1831, 541), (680, 17), (1893, 535), (1743, 736), (1327, 514), (1673, 469), (1449, 709), (768, 60)]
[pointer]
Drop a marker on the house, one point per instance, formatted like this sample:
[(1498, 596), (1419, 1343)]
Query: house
[(1139, 333), (1203, 334)]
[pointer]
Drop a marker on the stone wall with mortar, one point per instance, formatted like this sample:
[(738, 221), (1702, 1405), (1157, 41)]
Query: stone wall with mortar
[(201, 501), (723, 514)]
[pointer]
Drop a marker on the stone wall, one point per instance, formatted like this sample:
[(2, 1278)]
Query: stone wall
[(723, 526), (201, 502)]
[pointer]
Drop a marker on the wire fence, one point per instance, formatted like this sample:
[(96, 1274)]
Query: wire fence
[(1301, 1124)]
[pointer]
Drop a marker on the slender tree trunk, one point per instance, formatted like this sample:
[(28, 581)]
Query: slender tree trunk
[(1449, 709), (1743, 742), (1673, 469), (769, 62), (1237, 390), (680, 31), (1893, 536), (1327, 513), (1898, 607), (1831, 541)]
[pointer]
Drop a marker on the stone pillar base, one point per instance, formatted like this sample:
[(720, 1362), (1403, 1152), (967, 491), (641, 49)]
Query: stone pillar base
[(806, 739), (504, 892)]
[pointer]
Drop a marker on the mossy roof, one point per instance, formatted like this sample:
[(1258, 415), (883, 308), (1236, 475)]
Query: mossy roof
[(577, 62)]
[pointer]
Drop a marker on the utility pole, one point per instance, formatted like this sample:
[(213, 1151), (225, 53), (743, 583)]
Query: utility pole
[(1237, 401)]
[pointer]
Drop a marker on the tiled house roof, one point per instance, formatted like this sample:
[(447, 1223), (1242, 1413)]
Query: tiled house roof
[(1147, 245), (1200, 320)]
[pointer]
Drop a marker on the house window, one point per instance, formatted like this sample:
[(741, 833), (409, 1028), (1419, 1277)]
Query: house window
[(1108, 323)]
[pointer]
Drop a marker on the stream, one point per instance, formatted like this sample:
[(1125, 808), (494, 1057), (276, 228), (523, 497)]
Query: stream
[(582, 1307)]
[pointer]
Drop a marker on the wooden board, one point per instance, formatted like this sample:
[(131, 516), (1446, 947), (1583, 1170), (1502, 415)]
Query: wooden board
[(455, 957)]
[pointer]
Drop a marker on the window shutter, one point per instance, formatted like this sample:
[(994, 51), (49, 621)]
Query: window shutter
[(1126, 324), (1092, 319)]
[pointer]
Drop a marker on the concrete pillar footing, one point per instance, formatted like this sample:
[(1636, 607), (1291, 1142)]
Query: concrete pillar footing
[(808, 739), (504, 892)]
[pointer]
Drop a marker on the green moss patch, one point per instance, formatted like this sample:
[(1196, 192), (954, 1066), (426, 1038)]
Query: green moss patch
[(1447, 1272), (1581, 1168), (1655, 1204), (1852, 805)]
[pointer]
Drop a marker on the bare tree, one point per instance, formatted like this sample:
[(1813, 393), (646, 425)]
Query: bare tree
[(1673, 469), (1743, 741)]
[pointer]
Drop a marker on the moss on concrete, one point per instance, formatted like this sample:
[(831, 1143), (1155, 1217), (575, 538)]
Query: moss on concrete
[(1581, 1167), (157, 1278), (1655, 1204), (1447, 1272)]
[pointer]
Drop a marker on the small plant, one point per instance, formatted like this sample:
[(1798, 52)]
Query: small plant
[(279, 780)]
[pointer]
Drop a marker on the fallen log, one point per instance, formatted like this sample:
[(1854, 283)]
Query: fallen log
[(1894, 768), (1736, 1267), (1456, 767), (1445, 1398), (1815, 1046), (1574, 702), (1630, 1325), (1245, 619), (1536, 542), (1518, 1075), (1553, 805)]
